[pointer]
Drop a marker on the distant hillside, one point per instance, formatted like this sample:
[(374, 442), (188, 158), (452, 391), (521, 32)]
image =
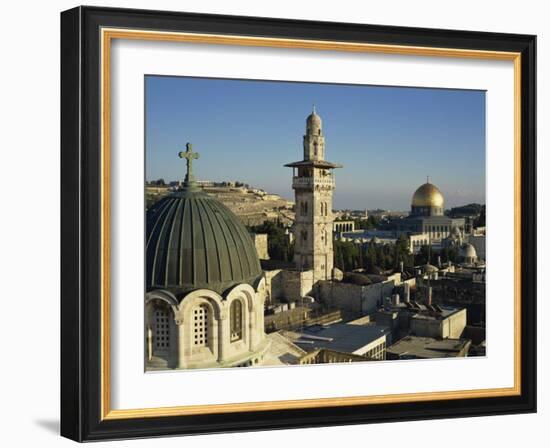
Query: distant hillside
[(253, 206), (473, 209)]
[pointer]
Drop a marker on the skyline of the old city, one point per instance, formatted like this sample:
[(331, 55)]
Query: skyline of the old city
[(237, 277), (372, 131)]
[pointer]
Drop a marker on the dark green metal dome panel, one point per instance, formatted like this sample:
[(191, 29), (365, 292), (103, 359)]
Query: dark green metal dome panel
[(194, 241)]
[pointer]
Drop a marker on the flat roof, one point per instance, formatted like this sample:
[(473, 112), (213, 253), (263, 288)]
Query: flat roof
[(341, 337), (314, 163), (422, 347), (445, 312)]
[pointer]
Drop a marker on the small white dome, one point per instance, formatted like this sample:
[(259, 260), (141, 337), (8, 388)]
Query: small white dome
[(429, 268), (468, 251)]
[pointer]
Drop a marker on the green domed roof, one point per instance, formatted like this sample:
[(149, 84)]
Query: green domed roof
[(195, 242)]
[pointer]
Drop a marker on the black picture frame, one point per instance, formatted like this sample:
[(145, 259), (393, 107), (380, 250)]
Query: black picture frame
[(81, 224)]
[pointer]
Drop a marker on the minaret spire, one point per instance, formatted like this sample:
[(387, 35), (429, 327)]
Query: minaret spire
[(313, 185)]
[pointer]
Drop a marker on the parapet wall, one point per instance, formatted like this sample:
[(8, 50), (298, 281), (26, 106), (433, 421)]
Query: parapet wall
[(355, 300), (288, 285)]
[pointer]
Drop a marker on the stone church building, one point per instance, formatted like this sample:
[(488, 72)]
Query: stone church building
[(204, 301)]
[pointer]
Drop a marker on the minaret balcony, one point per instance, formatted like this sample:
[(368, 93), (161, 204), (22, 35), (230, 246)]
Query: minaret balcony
[(311, 182)]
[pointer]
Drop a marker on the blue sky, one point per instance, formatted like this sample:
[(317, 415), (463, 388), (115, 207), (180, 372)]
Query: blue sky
[(388, 138)]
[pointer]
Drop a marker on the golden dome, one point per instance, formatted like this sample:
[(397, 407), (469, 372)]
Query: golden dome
[(427, 195)]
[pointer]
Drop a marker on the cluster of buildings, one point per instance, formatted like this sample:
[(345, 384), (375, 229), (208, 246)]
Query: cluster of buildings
[(214, 300)]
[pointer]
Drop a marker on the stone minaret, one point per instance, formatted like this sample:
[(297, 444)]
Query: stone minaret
[(313, 184)]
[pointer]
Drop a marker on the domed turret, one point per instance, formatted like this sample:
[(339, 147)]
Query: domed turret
[(427, 200), (468, 253), (314, 122), (314, 142)]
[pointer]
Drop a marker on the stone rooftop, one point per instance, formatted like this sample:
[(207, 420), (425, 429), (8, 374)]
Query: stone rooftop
[(411, 347), (282, 351), (341, 337), (444, 313)]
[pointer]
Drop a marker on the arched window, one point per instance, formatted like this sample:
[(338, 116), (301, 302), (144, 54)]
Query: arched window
[(236, 320), (201, 318), (161, 335)]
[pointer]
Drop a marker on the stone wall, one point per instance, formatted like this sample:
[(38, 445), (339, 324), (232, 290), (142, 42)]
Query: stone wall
[(260, 242), (450, 327), (326, 356), (297, 284), (355, 300), (454, 325), (389, 319), (288, 285), (274, 285), (478, 241), (299, 317)]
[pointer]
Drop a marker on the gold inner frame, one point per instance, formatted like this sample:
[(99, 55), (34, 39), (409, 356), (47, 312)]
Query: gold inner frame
[(107, 35)]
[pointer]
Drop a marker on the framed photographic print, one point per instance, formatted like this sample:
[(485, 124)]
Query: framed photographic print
[(273, 223)]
